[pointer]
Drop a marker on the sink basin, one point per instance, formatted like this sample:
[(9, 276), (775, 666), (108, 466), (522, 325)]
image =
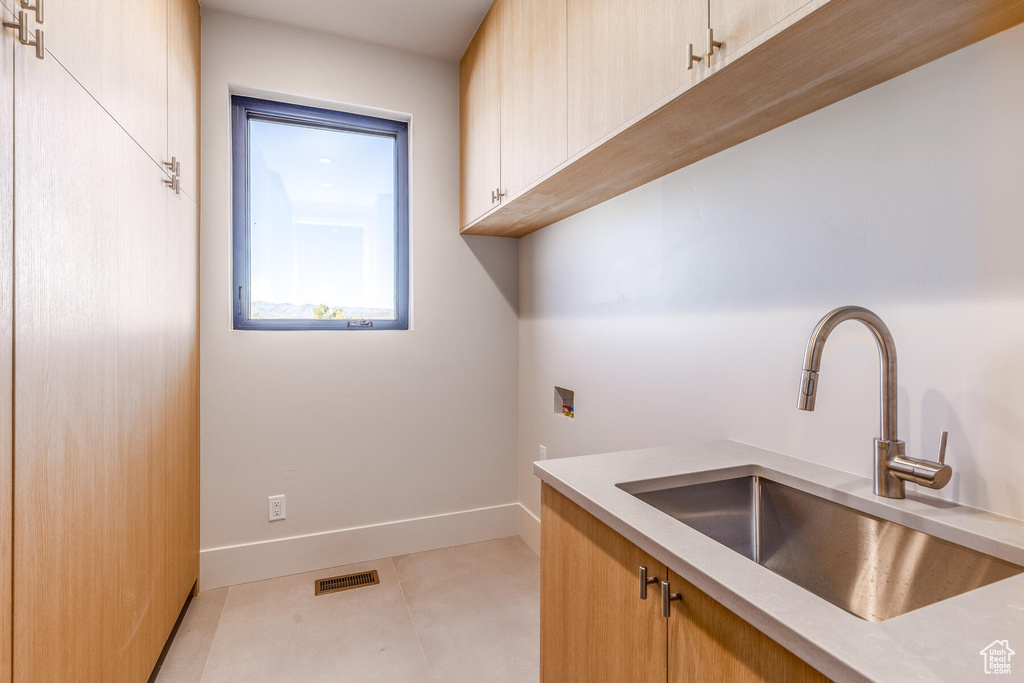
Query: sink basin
[(870, 567)]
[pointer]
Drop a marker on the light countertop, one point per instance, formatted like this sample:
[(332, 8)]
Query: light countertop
[(940, 642)]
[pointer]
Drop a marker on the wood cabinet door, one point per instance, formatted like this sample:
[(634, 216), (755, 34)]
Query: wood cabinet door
[(737, 22), (593, 625), (95, 595), (709, 644), (534, 117), (179, 436), (117, 50), (480, 118), (7, 47), (665, 27), (603, 68), (183, 37)]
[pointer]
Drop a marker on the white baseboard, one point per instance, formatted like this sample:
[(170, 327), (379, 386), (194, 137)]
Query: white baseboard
[(236, 564), (529, 528)]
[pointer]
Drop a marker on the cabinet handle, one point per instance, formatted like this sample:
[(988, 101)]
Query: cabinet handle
[(496, 195), (712, 43), (666, 599), (37, 8), (645, 582), (21, 25), (691, 58), (174, 166)]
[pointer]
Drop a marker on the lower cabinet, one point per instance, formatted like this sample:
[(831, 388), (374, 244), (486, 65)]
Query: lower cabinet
[(593, 624), (707, 642), (597, 626)]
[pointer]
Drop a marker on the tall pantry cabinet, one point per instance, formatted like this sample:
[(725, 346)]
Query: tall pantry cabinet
[(99, 463)]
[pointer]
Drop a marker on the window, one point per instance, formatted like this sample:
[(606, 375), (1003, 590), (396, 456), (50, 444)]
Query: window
[(321, 219)]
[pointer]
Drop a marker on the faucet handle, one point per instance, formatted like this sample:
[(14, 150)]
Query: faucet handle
[(942, 447)]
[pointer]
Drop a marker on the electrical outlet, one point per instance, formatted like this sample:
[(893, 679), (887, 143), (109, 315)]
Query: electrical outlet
[(543, 452), (276, 504)]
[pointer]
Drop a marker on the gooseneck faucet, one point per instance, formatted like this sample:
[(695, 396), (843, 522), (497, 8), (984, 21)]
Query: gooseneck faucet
[(892, 467)]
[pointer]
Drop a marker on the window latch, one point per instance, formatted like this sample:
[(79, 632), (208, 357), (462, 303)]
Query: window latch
[(360, 323)]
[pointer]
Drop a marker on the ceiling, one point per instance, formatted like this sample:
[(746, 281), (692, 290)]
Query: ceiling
[(437, 28)]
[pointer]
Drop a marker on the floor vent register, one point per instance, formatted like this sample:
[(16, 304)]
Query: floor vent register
[(347, 582)]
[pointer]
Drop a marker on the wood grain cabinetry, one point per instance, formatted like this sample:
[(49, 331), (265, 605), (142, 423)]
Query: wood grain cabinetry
[(180, 394), (708, 643), (534, 136), (634, 112), (737, 22), (101, 531), (70, 483), (480, 119), (595, 627), (625, 55), (183, 51), (117, 50), (665, 28), (513, 103), (7, 46), (603, 68)]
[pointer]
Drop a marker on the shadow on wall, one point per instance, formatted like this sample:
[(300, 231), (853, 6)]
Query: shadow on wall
[(972, 480), (1005, 432), (907, 192), (500, 259), (679, 311)]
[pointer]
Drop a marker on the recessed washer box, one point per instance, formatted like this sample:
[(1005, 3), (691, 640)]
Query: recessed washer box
[(564, 402)]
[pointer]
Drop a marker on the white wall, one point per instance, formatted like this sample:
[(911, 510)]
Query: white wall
[(680, 311), (357, 429)]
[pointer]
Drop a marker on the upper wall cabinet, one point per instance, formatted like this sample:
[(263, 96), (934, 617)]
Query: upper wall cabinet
[(513, 106), (737, 22), (637, 107), (480, 119), (625, 55), (117, 50), (534, 137), (603, 68), (665, 29)]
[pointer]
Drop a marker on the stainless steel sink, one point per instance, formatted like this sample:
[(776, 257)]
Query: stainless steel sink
[(870, 567)]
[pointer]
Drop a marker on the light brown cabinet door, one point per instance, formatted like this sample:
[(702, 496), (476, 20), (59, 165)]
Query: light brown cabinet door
[(737, 22), (480, 118), (534, 117), (593, 625), (709, 644), (117, 50), (183, 38), (96, 581), (7, 47), (179, 436), (665, 27), (603, 68)]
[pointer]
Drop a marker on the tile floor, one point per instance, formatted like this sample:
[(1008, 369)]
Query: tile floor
[(469, 613)]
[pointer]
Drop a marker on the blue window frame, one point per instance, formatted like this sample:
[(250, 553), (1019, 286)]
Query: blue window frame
[(320, 219)]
